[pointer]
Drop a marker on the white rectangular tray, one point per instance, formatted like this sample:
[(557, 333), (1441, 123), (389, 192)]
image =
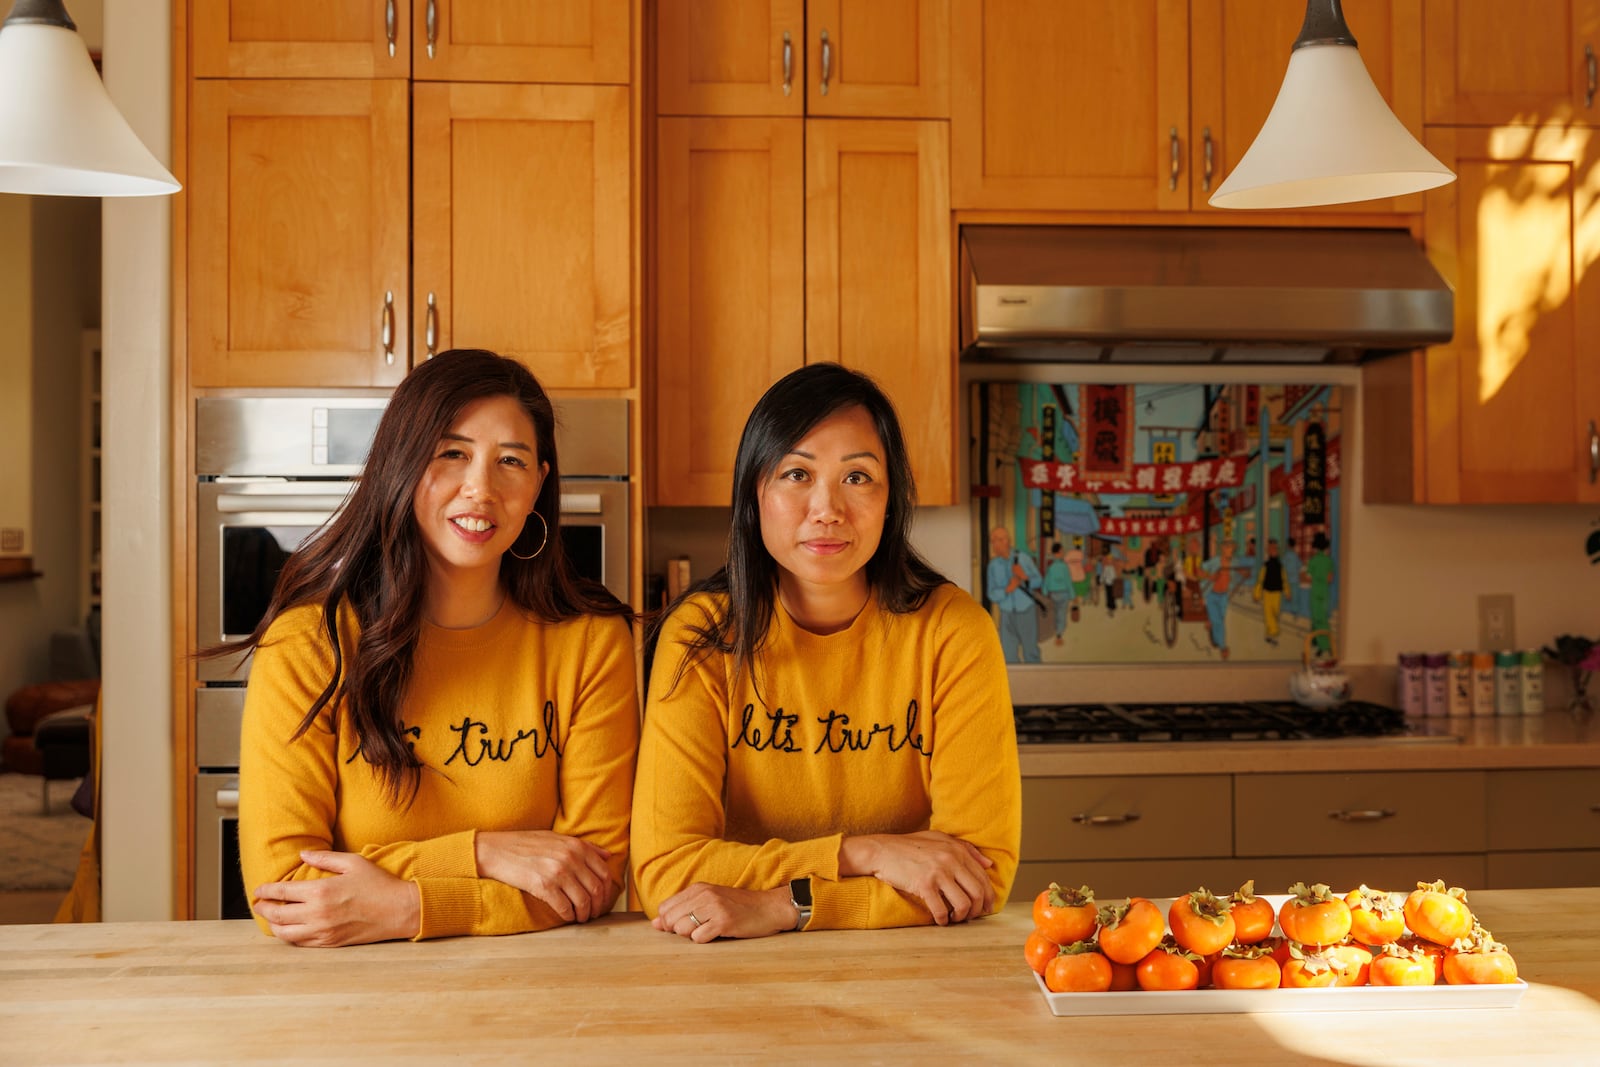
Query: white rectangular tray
[(1229, 1001)]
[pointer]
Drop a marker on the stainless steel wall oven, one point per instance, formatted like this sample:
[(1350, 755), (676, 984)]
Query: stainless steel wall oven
[(271, 472)]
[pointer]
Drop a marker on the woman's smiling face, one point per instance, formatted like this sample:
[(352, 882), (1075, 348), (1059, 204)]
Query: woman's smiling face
[(823, 505), (479, 487)]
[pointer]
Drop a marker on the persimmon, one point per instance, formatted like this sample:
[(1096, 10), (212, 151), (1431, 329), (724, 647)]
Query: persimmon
[(1375, 918), (1124, 977), (1080, 968), (1397, 965), (1206, 965), (1479, 960), (1168, 966), (1065, 915), (1307, 968), (1130, 930), (1352, 963), (1201, 922), (1314, 916), (1437, 914), (1039, 951), (1433, 952), (1246, 967), (1252, 915)]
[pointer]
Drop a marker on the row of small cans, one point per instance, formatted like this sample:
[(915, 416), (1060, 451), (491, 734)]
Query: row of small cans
[(1464, 684)]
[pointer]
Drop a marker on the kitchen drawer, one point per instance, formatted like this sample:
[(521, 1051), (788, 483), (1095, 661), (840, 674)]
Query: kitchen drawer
[(1540, 870), (1359, 814), (1546, 809), (1126, 818)]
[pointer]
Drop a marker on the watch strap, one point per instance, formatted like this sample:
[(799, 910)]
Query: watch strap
[(800, 897)]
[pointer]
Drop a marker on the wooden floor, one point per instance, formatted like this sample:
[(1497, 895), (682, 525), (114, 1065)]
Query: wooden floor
[(35, 907)]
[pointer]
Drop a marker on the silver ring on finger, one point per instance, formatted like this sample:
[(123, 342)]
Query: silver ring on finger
[(696, 918)]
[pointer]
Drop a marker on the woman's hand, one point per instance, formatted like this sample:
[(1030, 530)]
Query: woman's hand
[(944, 872), (706, 912), (567, 873), (360, 904)]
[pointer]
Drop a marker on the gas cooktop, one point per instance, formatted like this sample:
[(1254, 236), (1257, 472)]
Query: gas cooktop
[(1266, 720)]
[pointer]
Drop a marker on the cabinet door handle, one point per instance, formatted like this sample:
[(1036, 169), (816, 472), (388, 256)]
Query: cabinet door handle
[(1210, 158), (1172, 179), (788, 63), (228, 799), (1589, 70), (387, 335), (1595, 808), (827, 61), (1594, 452), (389, 24), (1363, 815), (432, 19), (430, 331), (1085, 819)]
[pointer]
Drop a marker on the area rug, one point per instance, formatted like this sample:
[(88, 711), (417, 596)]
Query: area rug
[(38, 851)]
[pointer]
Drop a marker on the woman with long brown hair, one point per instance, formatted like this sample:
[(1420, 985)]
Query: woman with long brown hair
[(441, 723)]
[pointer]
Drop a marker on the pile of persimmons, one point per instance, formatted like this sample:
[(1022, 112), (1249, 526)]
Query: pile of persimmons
[(1363, 937)]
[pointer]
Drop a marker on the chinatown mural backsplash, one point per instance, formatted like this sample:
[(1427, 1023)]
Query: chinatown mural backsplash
[(1158, 523)]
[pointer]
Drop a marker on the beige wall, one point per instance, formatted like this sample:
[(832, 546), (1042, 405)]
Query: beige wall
[(16, 366)]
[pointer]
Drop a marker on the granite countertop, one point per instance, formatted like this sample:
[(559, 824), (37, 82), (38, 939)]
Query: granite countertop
[(1554, 739)]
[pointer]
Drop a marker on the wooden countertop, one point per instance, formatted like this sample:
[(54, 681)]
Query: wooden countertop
[(1554, 739), (215, 992)]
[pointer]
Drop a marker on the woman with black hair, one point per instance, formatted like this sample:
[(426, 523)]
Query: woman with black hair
[(441, 722), (828, 739)]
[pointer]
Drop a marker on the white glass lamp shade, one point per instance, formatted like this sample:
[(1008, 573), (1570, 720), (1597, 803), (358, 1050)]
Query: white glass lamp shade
[(59, 132), (1329, 139)]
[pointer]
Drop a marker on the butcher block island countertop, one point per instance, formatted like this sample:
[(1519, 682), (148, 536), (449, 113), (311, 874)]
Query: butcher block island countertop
[(616, 990), (1554, 739)]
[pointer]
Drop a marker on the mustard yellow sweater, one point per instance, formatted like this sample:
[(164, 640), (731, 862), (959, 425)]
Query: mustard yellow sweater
[(897, 724), (519, 725)]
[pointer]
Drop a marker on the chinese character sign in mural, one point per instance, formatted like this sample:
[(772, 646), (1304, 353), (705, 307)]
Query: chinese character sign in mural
[(1158, 523)]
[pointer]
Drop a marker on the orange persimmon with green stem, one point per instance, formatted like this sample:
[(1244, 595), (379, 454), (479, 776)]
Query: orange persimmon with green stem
[(1397, 965), (1080, 968), (1314, 916), (1201, 922), (1252, 915), (1065, 915), (1039, 950), (1478, 959), (1437, 914), (1130, 930), (1168, 966), (1246, 967), (1375, 918)]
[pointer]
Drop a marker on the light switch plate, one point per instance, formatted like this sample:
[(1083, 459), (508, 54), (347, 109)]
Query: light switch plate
[(1497, 629), (11, 539)]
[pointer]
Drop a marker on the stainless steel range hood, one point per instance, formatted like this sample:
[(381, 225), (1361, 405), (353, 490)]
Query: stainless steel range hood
[(1137, 294)]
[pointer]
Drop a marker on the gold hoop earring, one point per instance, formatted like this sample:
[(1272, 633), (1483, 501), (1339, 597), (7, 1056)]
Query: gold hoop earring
[(542, 541)]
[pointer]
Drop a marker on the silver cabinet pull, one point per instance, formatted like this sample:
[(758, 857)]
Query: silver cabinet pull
[(1363, 815), (1085, 819), (1172, 179), (389, 24), (1594, 452), (827, 61), (387, 336), (228, 799), (430, 331), (433, 25), (1210, 157), (1589, 69), (788, 63)]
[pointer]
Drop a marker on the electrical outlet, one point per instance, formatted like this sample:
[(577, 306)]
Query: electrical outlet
[(1497, 631)]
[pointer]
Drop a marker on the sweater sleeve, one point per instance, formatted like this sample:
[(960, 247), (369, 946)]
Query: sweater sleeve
[(678, 813), (976, 784)]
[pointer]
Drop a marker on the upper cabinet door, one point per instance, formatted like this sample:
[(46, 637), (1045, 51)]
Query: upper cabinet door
[(297, 233), (1239, 51), (576, 41), (730, 57), (1070, 104), (301, 39), (522, 227), (1533, 62), (878, 275), (878, 58)]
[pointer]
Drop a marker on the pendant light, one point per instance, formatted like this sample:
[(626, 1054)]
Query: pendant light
[(1330, 138), (59, 131)]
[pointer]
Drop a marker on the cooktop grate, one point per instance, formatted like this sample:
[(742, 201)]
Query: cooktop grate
[(1204, 721)]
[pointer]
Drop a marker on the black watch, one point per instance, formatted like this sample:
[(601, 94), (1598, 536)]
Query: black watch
[(800, 897)]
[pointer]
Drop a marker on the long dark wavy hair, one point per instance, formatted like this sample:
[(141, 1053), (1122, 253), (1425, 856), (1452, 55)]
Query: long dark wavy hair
[(371, 555), (784, 415)]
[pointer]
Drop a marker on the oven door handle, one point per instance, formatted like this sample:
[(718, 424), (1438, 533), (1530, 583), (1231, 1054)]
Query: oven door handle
[(240, 503), (228, 799)]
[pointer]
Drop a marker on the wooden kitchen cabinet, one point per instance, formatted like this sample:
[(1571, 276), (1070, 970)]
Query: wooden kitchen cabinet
[(1143, 105), (1530, 63), (860, 58), (1544, 828), (1505, 412), (300, 271), (1127, 818), (298, 262), (579, 41), (785, 240), (1372, 813)]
